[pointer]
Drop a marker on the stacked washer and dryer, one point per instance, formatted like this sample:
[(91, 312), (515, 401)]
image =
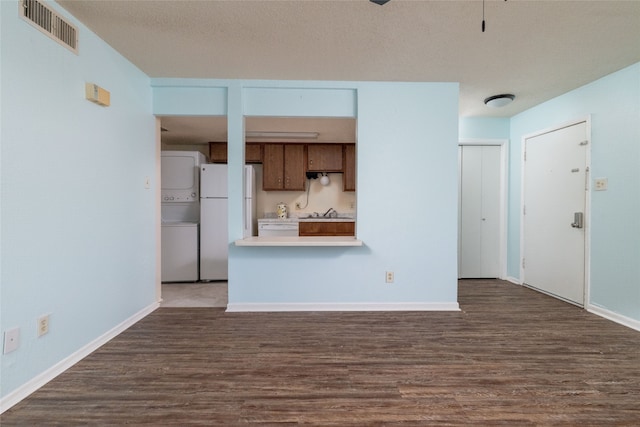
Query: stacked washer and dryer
[(180, 200)]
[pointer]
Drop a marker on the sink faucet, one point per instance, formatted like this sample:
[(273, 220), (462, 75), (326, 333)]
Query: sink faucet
[(329, 212)]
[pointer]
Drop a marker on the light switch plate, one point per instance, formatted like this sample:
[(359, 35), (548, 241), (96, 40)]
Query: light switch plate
[(11, 340), (600, 184)]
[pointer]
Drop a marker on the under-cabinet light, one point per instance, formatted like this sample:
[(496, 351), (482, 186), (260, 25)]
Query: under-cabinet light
[(286, 135)]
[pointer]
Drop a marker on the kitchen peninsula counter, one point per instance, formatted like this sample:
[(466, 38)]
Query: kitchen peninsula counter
[(335, 241)]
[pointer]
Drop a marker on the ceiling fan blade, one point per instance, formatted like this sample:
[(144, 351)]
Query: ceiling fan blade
[(380, 2)]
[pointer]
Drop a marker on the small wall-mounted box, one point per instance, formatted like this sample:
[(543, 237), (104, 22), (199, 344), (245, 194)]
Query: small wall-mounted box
[(95, 93)]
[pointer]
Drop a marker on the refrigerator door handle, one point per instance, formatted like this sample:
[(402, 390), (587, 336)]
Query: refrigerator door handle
[(246, 214)]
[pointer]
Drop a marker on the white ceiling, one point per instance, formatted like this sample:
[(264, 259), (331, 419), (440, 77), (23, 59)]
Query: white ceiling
[(534, 49)]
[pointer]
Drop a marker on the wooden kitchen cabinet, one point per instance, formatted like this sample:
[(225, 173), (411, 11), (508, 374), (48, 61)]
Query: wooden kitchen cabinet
[(273, 167), (283, 167), (253, 153), (218, 152), (326, 228), (349, 176), (324, 157)]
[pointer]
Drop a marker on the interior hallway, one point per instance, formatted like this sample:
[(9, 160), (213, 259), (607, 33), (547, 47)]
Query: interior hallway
[(200, 294)]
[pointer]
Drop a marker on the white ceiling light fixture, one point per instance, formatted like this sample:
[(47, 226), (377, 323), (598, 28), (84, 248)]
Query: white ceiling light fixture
[(497, 101), (284, 135)]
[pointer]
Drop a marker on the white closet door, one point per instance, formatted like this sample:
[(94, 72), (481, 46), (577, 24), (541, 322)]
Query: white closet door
[(479, 245)]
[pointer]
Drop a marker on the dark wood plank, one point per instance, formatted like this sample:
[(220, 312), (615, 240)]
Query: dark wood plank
[(510, 357)]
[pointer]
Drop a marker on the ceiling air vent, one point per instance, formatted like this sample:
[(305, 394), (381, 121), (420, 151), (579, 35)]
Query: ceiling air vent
[(46, 20)]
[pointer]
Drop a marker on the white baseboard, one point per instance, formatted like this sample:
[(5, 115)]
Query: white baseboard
[(615, 317), (409, 306), (513, 280), (38, 381)]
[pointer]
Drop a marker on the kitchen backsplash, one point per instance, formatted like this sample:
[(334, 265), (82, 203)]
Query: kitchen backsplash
[(320, 198)]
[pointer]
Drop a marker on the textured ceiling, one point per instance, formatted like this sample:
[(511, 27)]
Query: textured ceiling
[(534, 49)]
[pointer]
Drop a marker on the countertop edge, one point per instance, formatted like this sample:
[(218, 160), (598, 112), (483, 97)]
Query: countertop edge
[(295, 241), (297, 220)]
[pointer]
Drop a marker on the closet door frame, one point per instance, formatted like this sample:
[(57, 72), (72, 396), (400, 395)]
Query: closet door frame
[(504, 157)]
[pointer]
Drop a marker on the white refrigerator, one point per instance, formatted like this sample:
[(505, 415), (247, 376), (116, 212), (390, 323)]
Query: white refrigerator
[(214, 224)]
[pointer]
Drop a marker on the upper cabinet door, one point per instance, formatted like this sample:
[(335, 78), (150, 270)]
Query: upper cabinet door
[(253, 153), (218, 152), (349, 177), (273, 167), (283, 167), (294, 173), (324, 157)]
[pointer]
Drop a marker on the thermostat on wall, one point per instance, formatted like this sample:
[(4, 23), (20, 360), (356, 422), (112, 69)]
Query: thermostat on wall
[(95, 93)]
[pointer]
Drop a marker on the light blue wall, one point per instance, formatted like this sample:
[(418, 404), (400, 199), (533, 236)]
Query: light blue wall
[(484, 127), (614, 105), (78, 227), (189, 98), (407, 137)]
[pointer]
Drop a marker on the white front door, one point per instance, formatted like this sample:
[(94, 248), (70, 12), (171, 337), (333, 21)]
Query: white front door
[(555, 185), (479, 244)]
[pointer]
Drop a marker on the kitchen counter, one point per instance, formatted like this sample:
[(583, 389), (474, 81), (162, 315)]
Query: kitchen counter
[(300, 241), (307, 219), (326, 219), (278, 220)]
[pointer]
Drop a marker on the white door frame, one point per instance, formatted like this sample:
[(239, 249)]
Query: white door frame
[(504, 158), (157, 181), (587, 207)]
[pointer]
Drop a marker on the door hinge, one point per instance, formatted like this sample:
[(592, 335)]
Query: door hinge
[(523, 263), (525, 155), (524, 210)]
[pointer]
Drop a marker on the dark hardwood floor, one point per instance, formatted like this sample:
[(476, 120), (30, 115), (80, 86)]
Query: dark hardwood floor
[(511, 357)]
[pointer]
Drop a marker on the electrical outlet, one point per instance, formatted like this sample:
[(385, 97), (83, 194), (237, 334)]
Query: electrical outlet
[(43, 325), (601, 184), (298, 205), (11, 340), (389, 277)]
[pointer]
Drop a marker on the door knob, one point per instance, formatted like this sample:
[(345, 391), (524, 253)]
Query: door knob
[(578, 220)]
